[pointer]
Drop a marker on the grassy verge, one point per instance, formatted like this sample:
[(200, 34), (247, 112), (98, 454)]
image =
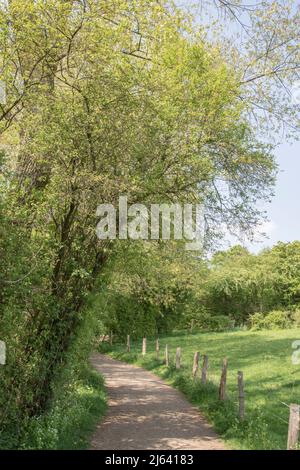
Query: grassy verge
[(271, 380), (72, 416)]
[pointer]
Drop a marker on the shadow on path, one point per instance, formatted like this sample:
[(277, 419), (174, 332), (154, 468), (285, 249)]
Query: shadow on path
[(145, 413)]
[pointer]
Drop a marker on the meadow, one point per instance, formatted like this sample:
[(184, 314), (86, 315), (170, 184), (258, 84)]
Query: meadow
[(272, 381)]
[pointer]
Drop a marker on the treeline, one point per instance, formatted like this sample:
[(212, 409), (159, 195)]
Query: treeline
[(240, 284), (234, 288)]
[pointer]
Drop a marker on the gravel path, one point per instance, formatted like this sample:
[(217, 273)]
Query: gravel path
[(145, 413)]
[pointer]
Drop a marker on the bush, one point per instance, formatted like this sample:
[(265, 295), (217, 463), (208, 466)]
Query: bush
[(220, 323), (73, 414), (296, 317), (77, 400), (209, 322), (272, 320)]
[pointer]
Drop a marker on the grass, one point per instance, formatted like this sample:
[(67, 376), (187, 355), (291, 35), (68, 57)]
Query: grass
[(72, 417), (271, 380)]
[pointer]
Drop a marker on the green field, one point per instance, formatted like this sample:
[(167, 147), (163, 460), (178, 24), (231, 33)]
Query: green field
[(271, 380)]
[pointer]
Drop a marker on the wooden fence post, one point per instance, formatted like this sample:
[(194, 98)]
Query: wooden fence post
[(178, 356), (128, 343), (157, 348), (167, 356), (294, 421), (204, 370), (196, 364), (222, 388), (2, 353), (144, 347), (241, 395)]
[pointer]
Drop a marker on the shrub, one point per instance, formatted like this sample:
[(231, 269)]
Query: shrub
[(79, 403), (220, 323), (272, 320), (296, 317), (77, 400), (211, 322)]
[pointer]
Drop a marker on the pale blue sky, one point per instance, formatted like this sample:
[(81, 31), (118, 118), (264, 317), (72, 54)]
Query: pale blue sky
[(284, 211)]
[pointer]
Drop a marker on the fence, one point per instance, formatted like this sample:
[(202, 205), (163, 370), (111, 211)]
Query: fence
[(294, 417)]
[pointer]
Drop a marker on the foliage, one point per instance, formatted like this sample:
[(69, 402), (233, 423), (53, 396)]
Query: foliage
[(91, 121), (218, 323), (105, 99), (273, 320), (154, 289), (72, 415), (144, 289), (77, 400), (239, 284), (296, 317), (206, 321)]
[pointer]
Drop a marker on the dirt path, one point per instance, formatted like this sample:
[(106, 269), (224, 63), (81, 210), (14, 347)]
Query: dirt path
[(145, 413)]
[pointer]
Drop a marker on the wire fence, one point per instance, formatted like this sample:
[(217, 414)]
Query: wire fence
[(185, 365)]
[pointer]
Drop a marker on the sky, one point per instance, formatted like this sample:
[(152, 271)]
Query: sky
[(283, 213)]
